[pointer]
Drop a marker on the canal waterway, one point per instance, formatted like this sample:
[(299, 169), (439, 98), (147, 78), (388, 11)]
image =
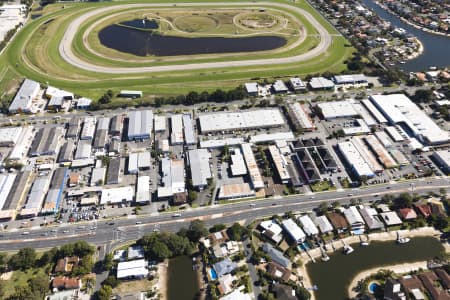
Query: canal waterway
[(143, 43), (182, 279), (436, 47), (333, 277)]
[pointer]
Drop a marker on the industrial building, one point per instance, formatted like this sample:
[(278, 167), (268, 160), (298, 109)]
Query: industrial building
[(399, 109), (363, 113), (98, 176), (173, 177), (15, 196), (101, 133), (359, 127), (20, 150), (66, 153), (6, 184), (253, 170), (219, 143), (138, 161), (189, 132), (9, 136), (399, 157), (140, 124), (279, 87), (163, 145), (36, 197), (87, 133), (176, 130), (84, 150), (354, 219), (336, 109), (235, 191), (83, 103), (237, 166), (73, 128), (113, 173), (228, 121), (251, 88), (383, 138), (297, 84), (368, 157), (394, 133), (295, 232), (56, 191), (374, 111), (359, 80), (46, 141), (160, 123), (130, 94), (280, 163), (114, 148), (308, 225), (23, 100), (442, 159), (299, 117), (380, 152), (116, 125), (272, 137), (117, 195), (355, 160), (199, 163), (321, 83), (143, 189)]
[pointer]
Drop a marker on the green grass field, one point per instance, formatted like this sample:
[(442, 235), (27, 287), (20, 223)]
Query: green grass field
[(34, 54)]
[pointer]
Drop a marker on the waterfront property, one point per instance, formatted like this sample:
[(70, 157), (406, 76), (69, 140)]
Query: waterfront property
[(378, 254)]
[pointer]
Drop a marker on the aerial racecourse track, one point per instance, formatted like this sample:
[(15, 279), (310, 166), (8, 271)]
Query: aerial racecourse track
[(91, 47)]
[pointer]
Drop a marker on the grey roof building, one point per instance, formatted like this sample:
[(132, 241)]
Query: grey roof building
[(276, 255), (189, 135), (84, 149), (113, 173), (116, 125), (224, 267), (66, 153), (140, 124), (46, 141), (73, 128)]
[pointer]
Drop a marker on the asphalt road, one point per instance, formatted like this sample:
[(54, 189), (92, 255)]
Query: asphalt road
[(65, 47), (122, 230)]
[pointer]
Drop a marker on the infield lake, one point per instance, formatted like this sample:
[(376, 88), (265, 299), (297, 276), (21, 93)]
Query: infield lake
[(333, 277), (143, 43), (182, 280)]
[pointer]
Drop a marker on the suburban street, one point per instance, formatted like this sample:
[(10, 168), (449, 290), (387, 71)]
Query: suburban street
[(113, 232)]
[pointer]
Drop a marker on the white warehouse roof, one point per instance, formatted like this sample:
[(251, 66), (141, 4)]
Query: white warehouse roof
[(160, 123), (355, 160), (400, 109), (199, 163), (252, 167), (143, 189), (134, 268), (300, 115), (9, 135), (261, 118), (24, 97), (117, 195), (140, 124), (337, 109)]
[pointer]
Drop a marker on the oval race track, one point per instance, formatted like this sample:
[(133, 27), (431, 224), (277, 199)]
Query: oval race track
[(65, 47)]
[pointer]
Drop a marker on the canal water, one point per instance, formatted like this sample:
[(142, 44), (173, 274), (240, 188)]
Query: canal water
[(436, 47), (333, 277), (143, 43), (182, 279)]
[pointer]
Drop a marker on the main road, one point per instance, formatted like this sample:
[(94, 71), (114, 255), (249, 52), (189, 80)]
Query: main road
[(65, 46), (130, 228)]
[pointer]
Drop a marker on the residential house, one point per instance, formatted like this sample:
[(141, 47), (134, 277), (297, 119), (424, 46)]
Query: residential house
[(276, 255), (277, 271), (338, 221), (283, 292), (66, 264), (66, 283), (271, 230), (407, 214), (224, 267)]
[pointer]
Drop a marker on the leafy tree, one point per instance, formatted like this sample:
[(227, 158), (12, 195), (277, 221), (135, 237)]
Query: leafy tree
[(196, 230), (111, 280), (192, 196), (160, 251), (236, 232), (104, 293), (403, 200), (440, 222), (24, 259), (39, 286), (302, 293), (217, 228), (47, 257)]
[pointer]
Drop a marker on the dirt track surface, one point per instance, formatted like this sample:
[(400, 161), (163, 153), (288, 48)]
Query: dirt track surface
[(65, 47)]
